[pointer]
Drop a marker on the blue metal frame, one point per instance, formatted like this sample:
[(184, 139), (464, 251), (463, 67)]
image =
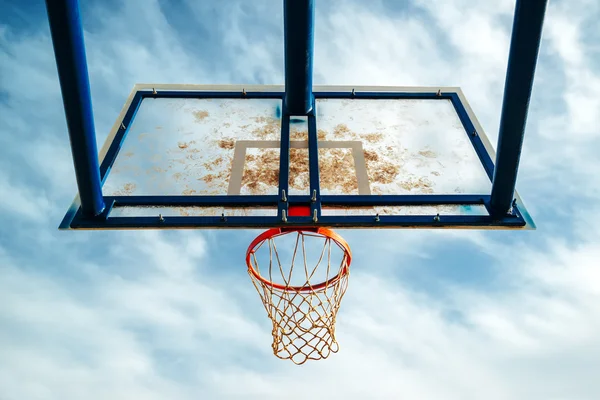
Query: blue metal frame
[(299, 32), (298, 99), (522, 59), (281, 202), (69, 51)]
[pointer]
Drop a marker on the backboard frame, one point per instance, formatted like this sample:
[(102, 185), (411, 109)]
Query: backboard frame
[(518, 218)]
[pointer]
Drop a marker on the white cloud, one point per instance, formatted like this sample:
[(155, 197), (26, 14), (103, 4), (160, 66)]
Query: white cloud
[(157, 314)]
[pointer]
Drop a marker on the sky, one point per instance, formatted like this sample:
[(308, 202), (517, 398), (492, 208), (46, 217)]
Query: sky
[(427, 315)]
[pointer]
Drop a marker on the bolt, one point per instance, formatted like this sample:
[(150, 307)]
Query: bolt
[(315, 219), (314, 196), (353, 93), (161, 218), (154, 92), (223, 218), (439, 93), (283, 196), (437, 218), (244, 92), (123, 126), (511, 210), (283, 216), (474, 133), (377, 218)]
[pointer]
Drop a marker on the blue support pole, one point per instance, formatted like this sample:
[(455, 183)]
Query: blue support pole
[(522, 59), (69, 50), (299, 17)]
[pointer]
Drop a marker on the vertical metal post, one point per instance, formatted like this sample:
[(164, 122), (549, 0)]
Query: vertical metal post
[(522, 59), (69, 50), (299, 17)]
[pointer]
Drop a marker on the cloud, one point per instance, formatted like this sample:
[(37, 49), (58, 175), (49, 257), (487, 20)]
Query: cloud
[(448, 314)]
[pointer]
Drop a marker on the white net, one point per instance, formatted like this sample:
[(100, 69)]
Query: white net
[(301, 289)]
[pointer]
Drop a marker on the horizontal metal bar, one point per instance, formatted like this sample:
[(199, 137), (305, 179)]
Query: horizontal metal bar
[(170, 94), (281, 95), (326, 200), (191, 201), (405, 221), (432, 221), (382, 95), (403, 200)]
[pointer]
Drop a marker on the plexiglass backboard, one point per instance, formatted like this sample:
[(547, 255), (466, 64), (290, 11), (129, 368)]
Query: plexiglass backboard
[(198, 156)]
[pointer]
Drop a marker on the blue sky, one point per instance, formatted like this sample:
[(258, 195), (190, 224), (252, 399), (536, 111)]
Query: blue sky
[(428, 315)]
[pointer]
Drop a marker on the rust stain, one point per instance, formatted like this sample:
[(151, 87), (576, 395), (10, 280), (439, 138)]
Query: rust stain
[(261, 172), (298, 134), (428, 154), (271, 128), (185, 145), (200, 115), (299, 177), (435, 173), (421, 184), (189, 191), (372, 137), (211, 165), (129, 154), (336, 169), (158, 127), (141, 136), (380, 170), (220, 178), (177, 176), (227, 143), (371, 156), (321, 134), (342, 131), (127, 190)]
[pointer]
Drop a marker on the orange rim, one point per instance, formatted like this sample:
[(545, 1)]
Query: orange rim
[(268, 234)]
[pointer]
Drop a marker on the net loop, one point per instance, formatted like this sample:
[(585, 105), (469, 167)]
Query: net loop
[(303, 312)]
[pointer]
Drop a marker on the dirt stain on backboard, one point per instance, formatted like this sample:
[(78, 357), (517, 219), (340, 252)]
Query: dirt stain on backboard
[(227, 143), (342, 131), (422, 185), (428, 153), (380, 170), (270, 129), (200, 115), (337, 170), (261, 171), (126, 190)]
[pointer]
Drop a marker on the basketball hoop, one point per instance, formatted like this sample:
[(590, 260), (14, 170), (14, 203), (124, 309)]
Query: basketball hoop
[(303, 314)]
